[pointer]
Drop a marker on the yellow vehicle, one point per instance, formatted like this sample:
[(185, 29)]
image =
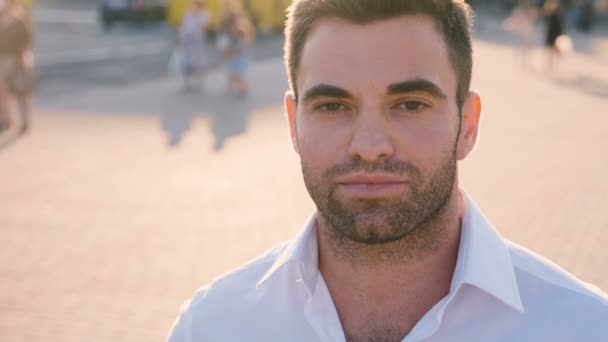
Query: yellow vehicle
[(265, 14), (28, 4), (177, 8)]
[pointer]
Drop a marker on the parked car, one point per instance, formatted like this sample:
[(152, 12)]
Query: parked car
[(137, 11)]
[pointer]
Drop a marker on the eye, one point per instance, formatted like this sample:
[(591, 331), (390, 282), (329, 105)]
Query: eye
[(412, 106), (331, 107)]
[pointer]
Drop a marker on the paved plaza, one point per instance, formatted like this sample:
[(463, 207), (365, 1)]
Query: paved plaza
[(122, 201)]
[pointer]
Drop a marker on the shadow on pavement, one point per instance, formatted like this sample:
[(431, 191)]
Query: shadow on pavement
[(9, 138), (7, 141), (176, 126), (228, 122), (587, 84), (227, 114)]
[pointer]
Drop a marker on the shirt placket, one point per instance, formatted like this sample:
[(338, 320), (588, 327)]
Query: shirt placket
[(428, 324), (321, 314)]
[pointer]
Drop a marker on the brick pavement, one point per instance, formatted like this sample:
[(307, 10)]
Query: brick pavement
[(105, 229)]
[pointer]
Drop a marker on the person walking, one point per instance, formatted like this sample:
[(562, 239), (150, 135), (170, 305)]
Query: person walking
[(554, 28), (192, 44), (16, 63), (232, 11), (586, 16), (521, 23), (237, 55)]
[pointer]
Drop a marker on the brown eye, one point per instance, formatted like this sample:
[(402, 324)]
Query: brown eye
[(412, 105), (331, 107)]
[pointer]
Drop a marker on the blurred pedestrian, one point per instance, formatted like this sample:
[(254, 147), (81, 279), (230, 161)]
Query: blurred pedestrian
[(237, 55), (231, 12), (192, 43), (16, 62), (572, 12), (554, 28), (586, 15), (521, 23)]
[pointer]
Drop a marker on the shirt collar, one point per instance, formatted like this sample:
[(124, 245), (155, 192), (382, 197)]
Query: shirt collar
[(302, 253), (484, 260)]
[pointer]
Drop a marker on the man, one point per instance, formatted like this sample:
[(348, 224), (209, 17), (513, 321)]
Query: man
[(16, 62), (380, 112), (192, 42)]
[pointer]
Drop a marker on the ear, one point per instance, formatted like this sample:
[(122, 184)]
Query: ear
[(469, 126), (291, 108)]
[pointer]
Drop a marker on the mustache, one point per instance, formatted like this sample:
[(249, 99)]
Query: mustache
[(387, 166)]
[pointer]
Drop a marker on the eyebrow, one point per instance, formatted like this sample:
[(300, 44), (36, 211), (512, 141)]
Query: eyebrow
[(414, 86), (325, 90)]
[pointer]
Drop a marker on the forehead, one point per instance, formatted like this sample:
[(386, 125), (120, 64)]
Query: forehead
[(366, 58)]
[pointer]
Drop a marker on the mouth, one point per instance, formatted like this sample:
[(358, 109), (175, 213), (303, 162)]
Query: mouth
[(371, 185)]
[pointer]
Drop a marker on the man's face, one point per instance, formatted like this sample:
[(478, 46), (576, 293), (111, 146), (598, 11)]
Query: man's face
[(376, 125)]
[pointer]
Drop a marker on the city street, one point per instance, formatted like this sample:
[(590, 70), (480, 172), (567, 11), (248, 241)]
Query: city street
[(75, 54), (128, 194)]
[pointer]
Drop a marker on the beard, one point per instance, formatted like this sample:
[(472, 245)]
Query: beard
[(381, 221)]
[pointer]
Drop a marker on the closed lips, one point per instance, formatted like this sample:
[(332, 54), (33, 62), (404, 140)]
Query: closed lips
[(371, 179)]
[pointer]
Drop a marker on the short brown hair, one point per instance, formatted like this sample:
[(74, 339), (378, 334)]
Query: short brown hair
[(453, 17)]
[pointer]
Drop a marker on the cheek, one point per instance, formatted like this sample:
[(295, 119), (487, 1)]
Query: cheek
[(322, 144), (426, 144)]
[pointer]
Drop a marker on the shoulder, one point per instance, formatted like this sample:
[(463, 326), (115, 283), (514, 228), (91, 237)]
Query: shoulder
[(557, 305), (550, 290), (223, 297), (243, 278)]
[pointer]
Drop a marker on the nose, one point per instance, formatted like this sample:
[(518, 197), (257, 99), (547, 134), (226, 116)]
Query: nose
[(371, 139)]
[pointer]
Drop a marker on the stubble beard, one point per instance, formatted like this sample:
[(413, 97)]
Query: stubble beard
[(413, 222)]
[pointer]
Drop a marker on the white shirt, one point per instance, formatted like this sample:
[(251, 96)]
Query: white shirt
[(499, 292)]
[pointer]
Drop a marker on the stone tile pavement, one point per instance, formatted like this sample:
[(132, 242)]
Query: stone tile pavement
[(121, 202)]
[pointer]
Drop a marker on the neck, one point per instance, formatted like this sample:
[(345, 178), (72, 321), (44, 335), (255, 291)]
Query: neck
[(405, 277)]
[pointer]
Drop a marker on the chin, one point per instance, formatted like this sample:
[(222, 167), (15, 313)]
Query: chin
[(373, 228), (375, 235), (371, 218)]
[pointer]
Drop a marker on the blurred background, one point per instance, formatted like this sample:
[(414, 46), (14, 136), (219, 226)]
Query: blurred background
[(144, 151)]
